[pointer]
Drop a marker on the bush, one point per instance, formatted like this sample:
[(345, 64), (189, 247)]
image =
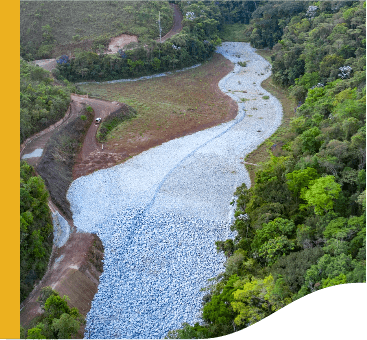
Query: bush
[(112, 121)]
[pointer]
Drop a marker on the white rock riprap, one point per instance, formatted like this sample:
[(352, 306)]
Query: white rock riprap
[(61, 229), (35, 153), (160, 213)]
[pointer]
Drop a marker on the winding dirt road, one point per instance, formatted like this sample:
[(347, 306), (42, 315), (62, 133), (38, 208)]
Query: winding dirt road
[(177, 23)]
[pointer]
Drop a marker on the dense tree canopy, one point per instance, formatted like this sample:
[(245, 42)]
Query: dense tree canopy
[(35, 229)]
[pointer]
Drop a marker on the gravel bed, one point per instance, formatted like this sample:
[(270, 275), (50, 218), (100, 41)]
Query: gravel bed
[(160, 213), (35, 153), (61, 230)]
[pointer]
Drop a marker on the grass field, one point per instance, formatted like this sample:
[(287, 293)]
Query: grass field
[(169, 106), (274, 143), (234, 32), (72, 21)]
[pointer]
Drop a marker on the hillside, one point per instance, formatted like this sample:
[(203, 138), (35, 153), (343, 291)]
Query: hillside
[(49, 27)]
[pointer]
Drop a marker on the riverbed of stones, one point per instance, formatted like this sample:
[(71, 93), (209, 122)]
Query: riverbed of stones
[(160, 213)]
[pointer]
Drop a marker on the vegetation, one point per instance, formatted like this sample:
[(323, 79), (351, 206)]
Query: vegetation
[(234, 32), (113, 120), (58, 320), (194, 44), (36, 236), (301, 226), (59, 156), (48, 27), (42, 102), (186, 99)]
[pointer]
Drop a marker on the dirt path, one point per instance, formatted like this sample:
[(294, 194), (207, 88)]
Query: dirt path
[(92, 156), (70, 270), (41, 141), (177, 23)]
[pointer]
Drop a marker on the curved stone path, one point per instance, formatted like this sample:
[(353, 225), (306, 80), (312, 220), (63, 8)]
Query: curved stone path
[(160, 213)]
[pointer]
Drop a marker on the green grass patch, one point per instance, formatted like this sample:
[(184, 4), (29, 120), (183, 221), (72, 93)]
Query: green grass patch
[(281, 136), (159, 103), (112, 121), (235, 32)]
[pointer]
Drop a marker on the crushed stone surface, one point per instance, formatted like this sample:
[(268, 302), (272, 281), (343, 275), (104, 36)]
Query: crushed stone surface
[(160, 213), (61, 229), (35, 153)]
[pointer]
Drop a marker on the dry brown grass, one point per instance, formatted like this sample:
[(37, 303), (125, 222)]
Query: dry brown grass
[(168, 107)]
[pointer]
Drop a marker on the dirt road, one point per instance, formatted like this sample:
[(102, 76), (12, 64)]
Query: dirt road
[(73, 269), (177, 23)]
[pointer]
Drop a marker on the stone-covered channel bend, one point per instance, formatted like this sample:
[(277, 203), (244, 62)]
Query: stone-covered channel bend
[(160, 213)]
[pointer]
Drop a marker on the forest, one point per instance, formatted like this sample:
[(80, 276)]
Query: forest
[(42, 100), (36, 237), (301, 226)]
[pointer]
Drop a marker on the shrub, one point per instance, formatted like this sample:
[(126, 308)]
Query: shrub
[(112, 121)]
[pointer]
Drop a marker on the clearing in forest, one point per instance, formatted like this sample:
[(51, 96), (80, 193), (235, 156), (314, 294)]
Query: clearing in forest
[(51, 28)]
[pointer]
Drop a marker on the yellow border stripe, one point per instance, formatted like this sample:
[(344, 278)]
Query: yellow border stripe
[(9, 212)]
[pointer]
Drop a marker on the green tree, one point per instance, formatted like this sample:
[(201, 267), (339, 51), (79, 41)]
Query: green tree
[(329, 268), (258, 298), (310, 143), (35, 333), (55, 306), (273, 249), (333, 282), (292, 268), (218, 308), (321, 194), (299, 179), (278, 227), (65, 326)]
